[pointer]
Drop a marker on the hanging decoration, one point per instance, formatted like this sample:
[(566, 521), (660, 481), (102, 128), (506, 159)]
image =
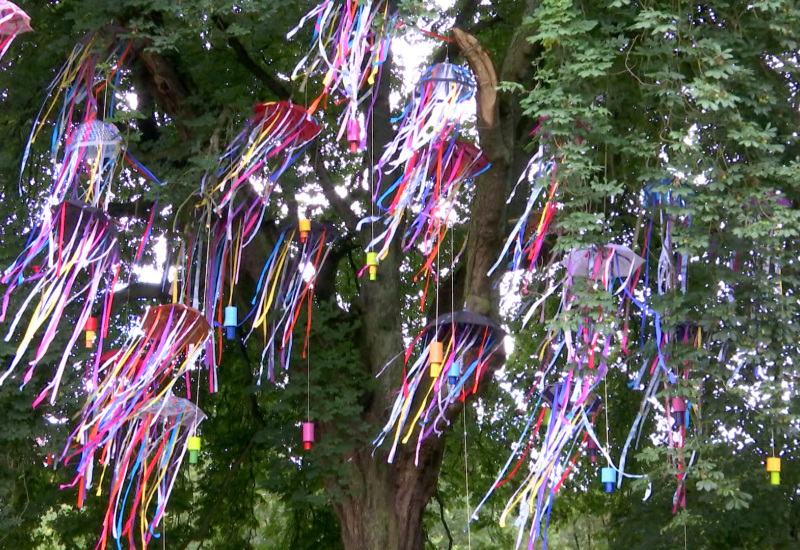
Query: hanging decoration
[(76, 234), (351, 42), (163, 349), (774, 469), (236, 204), (91, 153), (569, 405), (213, 261), (668, 200), (82, 97), (287, 281), (308, 435), (562, 421), (13, 22), (665, 201), (460, 345), (147, 453), (70, 256), (429, 187), (433, 115), (272, 140)]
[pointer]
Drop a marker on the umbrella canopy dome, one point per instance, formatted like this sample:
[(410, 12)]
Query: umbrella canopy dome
[(171, 407), (464, 319), (447, 72), (79, 215), (157, 318), (96, 134), (459, 156), (13, 20), (285, 113), (624, 261)]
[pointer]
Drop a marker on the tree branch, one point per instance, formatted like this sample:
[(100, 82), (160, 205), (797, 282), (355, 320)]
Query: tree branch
[(139, 209), (450, 49), (141, 291), (438, 498), (275, 86), (339, 204), (164, 83)]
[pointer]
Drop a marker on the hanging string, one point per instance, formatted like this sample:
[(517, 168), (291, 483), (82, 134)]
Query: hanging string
[(605, 408), (466, 478), (773, 442), (307, 348), (372, 177), (453, 337)]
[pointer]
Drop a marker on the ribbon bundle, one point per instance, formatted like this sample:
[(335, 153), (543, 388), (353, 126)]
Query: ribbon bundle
[(351, 41), (74, 238), (287, 281), (120, 414), (453, 353)]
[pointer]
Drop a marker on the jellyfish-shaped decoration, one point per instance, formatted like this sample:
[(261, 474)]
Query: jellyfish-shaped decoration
[(286, 282), (82, 96), (615, 267), (162, 349), (433, 115), (91, 153), (68, 258), (13, 22), (351, 41), (143, 460), (583, 354), (466, 339), (271, 141), (429, 187), (558, 424), (527, 235)]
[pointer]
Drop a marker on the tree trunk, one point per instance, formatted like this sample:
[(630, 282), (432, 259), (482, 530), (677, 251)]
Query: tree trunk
[(385, 508)]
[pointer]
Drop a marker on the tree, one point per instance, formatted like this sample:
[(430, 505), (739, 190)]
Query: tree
[(650, 89)]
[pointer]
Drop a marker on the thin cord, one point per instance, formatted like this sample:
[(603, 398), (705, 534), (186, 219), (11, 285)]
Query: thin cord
[(453, 338), (773, 442), (466, 477), (452, 272), (372, 177), (308, 343), (605, 408)]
